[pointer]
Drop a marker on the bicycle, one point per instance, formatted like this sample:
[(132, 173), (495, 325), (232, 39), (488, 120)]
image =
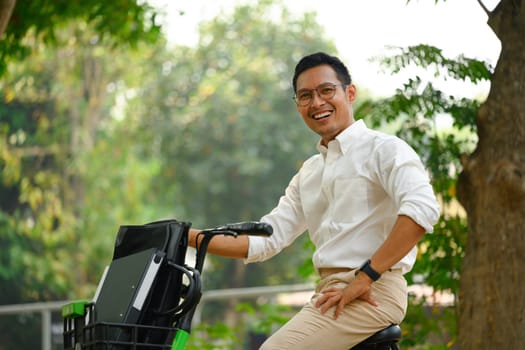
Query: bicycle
[(147, 297)]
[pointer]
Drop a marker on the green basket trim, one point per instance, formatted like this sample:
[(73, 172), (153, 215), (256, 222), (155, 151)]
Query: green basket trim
[(179, 343), (74, 309)]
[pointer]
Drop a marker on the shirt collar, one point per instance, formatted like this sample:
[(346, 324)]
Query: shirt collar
[(344, 139)]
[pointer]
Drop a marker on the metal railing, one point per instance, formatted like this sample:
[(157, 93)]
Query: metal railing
[(47, 308)]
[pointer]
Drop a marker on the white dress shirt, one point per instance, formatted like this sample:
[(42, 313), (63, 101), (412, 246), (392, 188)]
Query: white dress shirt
[(348, 198)]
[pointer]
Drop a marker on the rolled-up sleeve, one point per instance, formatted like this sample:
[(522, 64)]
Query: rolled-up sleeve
[(422, 207), (407, 182)]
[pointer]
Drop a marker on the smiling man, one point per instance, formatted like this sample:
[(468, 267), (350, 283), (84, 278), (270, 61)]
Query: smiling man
[(365, 200), (323, 109)]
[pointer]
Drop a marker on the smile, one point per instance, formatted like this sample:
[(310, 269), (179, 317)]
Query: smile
[(321, 115)]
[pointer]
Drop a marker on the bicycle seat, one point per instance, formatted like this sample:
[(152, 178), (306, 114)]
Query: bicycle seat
[(388, 336)]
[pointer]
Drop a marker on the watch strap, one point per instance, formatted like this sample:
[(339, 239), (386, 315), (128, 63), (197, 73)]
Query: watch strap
[(366, 268)]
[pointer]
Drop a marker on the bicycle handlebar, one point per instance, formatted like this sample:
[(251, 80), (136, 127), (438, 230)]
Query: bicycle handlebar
[(252, 228)]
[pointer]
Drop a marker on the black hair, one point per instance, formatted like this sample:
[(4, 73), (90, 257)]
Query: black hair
[(320, 58)]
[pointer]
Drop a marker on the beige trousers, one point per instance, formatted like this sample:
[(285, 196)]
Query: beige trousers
[(309, 329)]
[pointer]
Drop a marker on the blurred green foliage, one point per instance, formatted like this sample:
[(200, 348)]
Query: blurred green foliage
[(123, 22)]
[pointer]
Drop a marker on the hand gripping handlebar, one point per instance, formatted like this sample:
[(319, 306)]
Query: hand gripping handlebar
[(252, 228)]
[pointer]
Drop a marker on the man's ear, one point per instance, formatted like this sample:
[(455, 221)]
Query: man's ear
[(351, 92)]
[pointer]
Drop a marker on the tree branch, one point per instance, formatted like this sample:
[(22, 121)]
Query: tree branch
[(37, 151), (480, 2), (6, 10)]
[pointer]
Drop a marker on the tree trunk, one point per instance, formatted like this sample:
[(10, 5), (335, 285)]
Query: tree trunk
[(6, 10), (492, 190)]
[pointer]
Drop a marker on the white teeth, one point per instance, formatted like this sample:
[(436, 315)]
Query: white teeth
[(321, 115)]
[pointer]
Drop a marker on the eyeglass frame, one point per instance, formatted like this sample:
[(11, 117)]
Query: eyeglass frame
[(316, 89)]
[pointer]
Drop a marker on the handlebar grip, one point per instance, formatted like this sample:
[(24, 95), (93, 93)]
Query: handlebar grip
[(253, 228)]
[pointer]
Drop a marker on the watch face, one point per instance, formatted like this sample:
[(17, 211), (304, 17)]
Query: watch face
[(366, 268)]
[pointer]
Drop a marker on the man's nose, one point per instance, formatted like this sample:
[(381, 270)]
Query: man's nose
[(317, 100)]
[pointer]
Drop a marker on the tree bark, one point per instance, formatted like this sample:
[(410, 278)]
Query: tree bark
[(492, 190), (6, 10)]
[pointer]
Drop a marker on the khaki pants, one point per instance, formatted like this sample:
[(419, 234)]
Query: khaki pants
[(309, 329)]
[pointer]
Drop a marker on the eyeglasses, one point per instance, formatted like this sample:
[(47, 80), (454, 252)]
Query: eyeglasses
[(326, 91)]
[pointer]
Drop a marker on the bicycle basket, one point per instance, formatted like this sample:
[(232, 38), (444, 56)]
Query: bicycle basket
[(132, 307), (81, 332)]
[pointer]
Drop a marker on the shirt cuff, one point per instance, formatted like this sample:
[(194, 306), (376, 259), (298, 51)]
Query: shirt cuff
[(425, 217), (255, 247)]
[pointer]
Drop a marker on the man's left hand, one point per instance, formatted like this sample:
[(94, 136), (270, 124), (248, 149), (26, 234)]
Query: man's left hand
[(360, 288)]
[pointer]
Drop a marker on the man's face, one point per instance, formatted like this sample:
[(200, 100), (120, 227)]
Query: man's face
[(326, 117)]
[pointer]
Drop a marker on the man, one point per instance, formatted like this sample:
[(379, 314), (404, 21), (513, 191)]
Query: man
[(365, 200)]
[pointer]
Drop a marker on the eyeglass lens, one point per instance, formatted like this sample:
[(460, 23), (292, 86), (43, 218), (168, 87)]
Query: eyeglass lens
[(325, 91)]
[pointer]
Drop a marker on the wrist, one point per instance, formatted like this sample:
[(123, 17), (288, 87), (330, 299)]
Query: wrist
[(192, 238), (369, 271)]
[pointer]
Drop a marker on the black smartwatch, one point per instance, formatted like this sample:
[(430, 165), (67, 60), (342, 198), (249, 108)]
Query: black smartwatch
[(366, 268)]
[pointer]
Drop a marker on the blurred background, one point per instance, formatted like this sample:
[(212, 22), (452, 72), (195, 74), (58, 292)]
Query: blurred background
[(129, 111)]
